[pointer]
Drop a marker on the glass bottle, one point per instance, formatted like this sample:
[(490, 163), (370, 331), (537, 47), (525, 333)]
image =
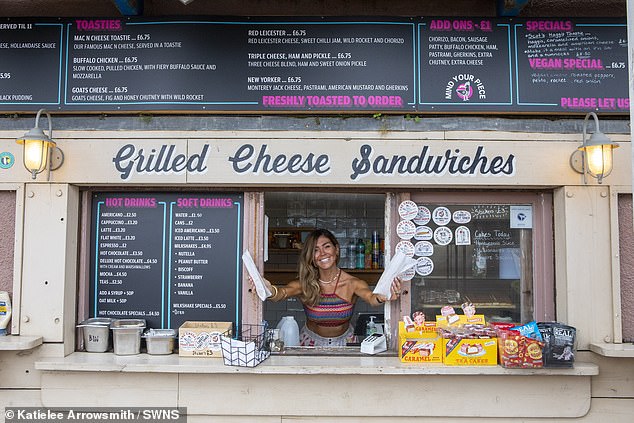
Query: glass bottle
[(360, 254)]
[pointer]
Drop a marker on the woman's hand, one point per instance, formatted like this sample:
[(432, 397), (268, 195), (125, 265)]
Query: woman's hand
[(267, 284), (395, 289)]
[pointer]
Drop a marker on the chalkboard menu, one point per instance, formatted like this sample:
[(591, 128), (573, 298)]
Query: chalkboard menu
[(30, 64), (206, 65), (569, 65), (330, 65), (465, 64), (166, 258)]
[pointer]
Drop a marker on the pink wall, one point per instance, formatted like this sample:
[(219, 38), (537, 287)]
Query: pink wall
[(7, 217), (626, 242)]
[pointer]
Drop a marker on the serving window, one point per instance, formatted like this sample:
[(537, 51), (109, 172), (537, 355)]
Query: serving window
[(487, 249)]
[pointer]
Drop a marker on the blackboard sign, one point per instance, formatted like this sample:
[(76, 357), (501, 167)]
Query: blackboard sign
[(30, 64), (465, 64), (166, 258), (572, 65), (330, 65), (273, 66)]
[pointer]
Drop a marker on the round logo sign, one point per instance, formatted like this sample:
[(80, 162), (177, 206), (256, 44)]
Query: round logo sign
[(405, 229), (424, 249), (443, 235), (423, 233), (407, 210), (424, 266), (6, 160), (441, 216), (423, 216), (461, 216), (406, 248)]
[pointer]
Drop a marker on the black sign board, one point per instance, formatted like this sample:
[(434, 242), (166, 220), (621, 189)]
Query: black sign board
[(330, 65), (572, 66), (166, 258), (465, 64)]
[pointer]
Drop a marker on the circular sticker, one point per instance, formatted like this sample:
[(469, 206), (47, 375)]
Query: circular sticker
[(424, 266), (461, 216), (424, 249), (423, 217), (407, 275), (441, 216), (6, 160), (406, 248), (407, 210), (405, 229), (423, 233), (443, 235)]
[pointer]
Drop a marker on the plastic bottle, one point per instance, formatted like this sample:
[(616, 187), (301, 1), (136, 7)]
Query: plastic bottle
[(352, 255), (376, 250), (360, 254), (370, 327), (289, 331), (368, 254), (5, 312)]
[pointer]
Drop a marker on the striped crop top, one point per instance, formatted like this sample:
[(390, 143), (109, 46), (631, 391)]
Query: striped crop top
[(331, 310)]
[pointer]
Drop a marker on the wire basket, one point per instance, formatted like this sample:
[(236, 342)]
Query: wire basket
[(248, 349)]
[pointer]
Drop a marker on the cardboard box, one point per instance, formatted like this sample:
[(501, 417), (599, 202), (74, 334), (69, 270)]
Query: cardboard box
[(202, 339), (420, 345), (470, 352), (460, 320)]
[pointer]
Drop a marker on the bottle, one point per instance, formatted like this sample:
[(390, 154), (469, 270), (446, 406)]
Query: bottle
[(277, 344), (376, 250), (370, 327), (360, 254), (352, 255), (5, 312), (289, 331), (368, 255)]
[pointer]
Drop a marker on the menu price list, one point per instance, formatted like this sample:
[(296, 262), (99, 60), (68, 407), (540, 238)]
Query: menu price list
[(572, 65), (312, 65), (30, 63), (465, 62), (172, 258)]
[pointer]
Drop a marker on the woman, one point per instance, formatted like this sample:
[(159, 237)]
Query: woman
[(327, 293)]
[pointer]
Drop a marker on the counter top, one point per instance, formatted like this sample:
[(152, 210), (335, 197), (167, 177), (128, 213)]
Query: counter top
[(613, 350), (19, 342), (286, 365)]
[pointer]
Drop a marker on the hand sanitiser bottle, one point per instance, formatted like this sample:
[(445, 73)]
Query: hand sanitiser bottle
[(370, 327), (5, 312)]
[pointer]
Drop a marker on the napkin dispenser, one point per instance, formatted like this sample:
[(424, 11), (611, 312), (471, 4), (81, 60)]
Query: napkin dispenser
[(374, 344)]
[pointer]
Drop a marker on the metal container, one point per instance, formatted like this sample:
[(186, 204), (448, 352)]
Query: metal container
[(159, 341), (126, 335), (96, 332)]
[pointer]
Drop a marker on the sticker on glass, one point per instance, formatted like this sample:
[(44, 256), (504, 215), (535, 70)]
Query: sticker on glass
[(443, 235), (441, 216), (423, 216), (405, 247), (407, 275), (463, 235), (423, 233), (424, 266), (407, 210), (405, 229), (461, 216), (424, 249)]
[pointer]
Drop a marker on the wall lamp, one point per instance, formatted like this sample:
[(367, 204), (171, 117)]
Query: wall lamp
[(594, 157), (40, 151)]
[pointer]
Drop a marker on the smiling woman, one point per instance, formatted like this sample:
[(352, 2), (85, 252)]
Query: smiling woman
[(327, 293)]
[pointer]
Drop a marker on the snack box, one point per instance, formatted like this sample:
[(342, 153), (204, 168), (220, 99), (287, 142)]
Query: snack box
[(519, 351), (202, 339), (470, 351), (422, 344), (459, 320)]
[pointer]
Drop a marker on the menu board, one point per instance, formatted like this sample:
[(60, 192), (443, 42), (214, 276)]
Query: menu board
[(329, 65), (465, 64), (166, 258), (206, 65), (30, 64), (572, 66)]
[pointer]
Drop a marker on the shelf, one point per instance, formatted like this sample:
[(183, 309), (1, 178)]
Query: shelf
[(19, 342), (477, 306), (351, 271)]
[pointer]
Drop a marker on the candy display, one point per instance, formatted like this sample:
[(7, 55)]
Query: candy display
[(559, 344)]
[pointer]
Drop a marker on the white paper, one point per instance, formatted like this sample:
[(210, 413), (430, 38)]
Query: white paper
[(399, 263), (260, 288)]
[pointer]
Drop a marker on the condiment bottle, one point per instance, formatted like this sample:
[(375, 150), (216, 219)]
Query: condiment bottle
[(5, 312), (360, 254), (370, 327)]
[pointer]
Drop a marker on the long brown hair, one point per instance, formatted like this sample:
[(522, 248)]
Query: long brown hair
[(308, 271)]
